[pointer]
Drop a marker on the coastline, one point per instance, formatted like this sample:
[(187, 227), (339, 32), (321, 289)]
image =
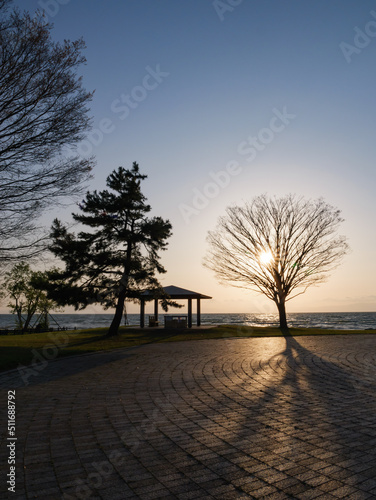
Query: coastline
[(332, 320)]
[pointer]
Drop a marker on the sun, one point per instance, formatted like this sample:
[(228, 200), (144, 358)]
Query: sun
[(266, 257)]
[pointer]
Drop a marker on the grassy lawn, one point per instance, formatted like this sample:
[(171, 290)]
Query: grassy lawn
[(22, 349)]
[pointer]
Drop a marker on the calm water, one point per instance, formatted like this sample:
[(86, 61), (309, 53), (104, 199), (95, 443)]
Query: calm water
[(342, 321)]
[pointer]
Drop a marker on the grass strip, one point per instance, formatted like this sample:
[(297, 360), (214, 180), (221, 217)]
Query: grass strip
[(18, 350)]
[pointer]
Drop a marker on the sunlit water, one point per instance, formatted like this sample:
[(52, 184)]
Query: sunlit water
[(345, 321)]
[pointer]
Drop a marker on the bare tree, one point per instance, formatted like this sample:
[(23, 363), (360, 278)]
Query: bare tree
[(43, 108), (277, 246)]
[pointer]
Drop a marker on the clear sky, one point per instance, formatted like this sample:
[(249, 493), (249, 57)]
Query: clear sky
[(182, 87)]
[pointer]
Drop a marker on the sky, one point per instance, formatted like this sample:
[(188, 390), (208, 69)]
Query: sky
[(221, 101)]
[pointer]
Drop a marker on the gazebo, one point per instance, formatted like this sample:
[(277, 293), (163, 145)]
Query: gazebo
[(178, 294)]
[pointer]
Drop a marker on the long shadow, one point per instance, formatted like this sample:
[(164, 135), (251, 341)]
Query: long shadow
[(292, 430), (299, 427), (303, 417), (52, 363), (313, 415)]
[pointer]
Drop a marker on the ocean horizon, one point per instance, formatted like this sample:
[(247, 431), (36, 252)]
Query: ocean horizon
[(332, 320)]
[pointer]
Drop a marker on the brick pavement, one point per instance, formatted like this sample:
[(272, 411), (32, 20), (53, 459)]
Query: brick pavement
[(227, 419)]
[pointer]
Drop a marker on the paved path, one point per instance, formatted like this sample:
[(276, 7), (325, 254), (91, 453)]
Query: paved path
[(224, 419)]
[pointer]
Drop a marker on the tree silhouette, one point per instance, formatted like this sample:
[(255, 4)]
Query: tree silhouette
[(276, 246), (26, 299), (43, 109), (118, 259)]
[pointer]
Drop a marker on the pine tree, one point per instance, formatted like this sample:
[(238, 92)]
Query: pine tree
[(118, 259)]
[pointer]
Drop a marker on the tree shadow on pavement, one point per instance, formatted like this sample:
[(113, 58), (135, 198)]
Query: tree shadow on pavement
[(314, 419), (51, 362)]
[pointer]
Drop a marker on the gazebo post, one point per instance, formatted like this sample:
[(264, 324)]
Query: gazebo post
[(189, 313), (198, 312), (142, 313), (156, 309)]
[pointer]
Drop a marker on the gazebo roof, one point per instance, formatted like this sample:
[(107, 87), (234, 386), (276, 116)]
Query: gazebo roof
[(176, 292)]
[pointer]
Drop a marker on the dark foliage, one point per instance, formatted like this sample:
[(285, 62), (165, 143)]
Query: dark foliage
[(118, 258)]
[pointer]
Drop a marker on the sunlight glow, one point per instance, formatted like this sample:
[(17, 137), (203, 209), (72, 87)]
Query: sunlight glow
[(266, 257)]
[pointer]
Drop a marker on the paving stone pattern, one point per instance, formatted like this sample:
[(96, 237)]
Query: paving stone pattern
[(226, 419)]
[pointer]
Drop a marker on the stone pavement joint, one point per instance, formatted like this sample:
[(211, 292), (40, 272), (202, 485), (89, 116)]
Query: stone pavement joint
[(229, 419)]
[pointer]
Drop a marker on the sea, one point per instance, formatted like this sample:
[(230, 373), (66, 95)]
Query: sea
[(340, 321)]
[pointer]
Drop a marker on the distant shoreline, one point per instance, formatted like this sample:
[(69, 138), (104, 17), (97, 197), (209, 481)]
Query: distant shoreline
[(343, 320)]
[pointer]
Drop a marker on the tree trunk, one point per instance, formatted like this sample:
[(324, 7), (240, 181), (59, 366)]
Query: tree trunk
[(282, 315), (114, 328), (30, 313), (19, 317)]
